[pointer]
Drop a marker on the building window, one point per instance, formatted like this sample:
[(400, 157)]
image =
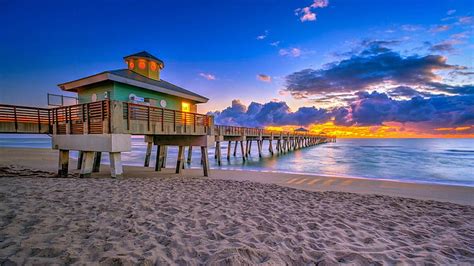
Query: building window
[(153, 66), (141, 64), (185, 107), (131, 65)]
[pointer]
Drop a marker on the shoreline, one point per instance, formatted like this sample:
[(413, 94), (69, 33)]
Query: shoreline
[(344, 176), (46, 160)]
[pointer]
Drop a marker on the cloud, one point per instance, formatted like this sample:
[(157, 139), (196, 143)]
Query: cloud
[(411, 28), (460, 35), (275, 43), (442, 47), (373, 67), (450, 12), (466, 19), (447, 45), (376, 108), (293, 52), (207, 76), (307, 13), (269, 114), (367, 109), (263, 36), (405, 91), (264, 78), (368, 46), (440, 28)]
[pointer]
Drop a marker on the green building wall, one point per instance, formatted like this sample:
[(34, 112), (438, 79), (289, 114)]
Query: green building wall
[(85, 94), (121, 92)]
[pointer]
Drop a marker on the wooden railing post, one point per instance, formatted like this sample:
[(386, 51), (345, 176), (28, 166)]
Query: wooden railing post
[(128, 116), (57, 121), (162, 120), (109, 117), (50, 128), (174, 120), (14, 116), (88, 108), (148, 117), (194, 123), (185, 124), (39, 121), (69, 123)]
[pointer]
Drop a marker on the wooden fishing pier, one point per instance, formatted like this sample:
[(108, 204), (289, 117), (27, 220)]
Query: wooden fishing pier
[(110, 112)]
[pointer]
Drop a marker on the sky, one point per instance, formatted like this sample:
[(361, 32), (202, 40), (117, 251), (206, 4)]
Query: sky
[(350, 68)]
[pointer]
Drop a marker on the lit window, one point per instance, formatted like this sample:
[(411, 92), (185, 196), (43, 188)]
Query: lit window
[(141, 64), (131, 65), (153, 66), (185, 107)]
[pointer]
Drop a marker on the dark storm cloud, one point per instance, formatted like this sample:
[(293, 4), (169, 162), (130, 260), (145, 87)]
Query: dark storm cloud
[(404, 91), (375, 108), (375, 65), (368, 109), (460, 90), (269, 114)]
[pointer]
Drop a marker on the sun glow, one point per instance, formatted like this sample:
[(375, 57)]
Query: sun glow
[(388, 130)]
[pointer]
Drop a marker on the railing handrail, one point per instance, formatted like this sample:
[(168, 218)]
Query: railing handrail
[(82, 114), (167, 109), (265, 131), (25, 107)]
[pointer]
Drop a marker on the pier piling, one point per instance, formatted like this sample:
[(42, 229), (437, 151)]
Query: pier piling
[(149, 148), (205, 160), (218, 152), (116, 168), (190, 154), (87, 164), (159, 162), (180, 160), (228, 149), (63, 163), (97, 159)]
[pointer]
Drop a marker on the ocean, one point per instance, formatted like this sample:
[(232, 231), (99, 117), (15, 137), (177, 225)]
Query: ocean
[(442, 161)]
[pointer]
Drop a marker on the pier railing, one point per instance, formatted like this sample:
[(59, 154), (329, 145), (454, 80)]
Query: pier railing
[(88, 118), (24, 119), (255, 132), (155, 120), (102, 117), (105, 117)]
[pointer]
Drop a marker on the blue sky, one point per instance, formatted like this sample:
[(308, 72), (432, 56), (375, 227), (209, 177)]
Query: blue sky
[(219, 48)]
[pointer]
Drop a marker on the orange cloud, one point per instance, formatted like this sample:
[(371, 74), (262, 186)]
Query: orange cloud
[(264, 78)]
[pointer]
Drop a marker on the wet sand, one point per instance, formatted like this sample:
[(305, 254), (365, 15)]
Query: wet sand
[(167, 219)]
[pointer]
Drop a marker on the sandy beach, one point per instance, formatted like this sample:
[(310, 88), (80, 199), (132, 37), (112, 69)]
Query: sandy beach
[(231, 218)]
